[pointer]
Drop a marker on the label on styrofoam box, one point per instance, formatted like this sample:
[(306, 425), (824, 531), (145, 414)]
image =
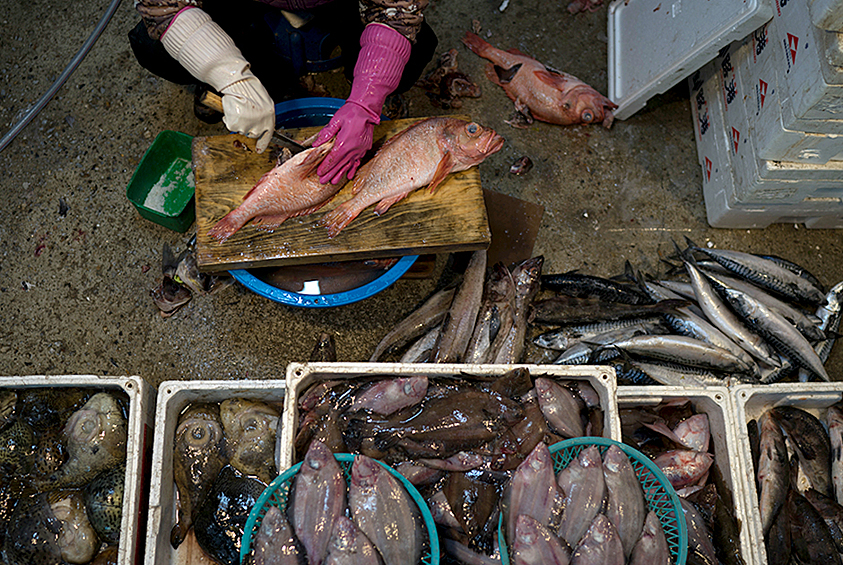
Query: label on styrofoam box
[(815, 88), (711, 148), (827, 14), (805, 141)]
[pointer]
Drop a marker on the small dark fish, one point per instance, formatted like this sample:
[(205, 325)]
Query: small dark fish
[(586, 286), (811, 541), (325, 350), (831, 512), (472, 501), (32, 535), (778, 543), (521, 166), (700, 548), (773, 470), (104, 502), (572, 310), (811, 443)]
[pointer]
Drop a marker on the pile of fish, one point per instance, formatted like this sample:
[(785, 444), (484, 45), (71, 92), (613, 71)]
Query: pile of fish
[(456, 439), (797, 459), (736, 318), (371, 520), (592, 512), (62, 475), (677, 439), (224, 456)]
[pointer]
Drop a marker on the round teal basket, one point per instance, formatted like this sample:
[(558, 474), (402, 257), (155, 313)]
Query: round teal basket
[(278, 491), (658, 492)]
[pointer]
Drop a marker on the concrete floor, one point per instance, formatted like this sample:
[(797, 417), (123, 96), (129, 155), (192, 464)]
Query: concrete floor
[(74, 288)]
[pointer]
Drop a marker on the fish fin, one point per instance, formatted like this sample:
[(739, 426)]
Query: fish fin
[(515, 51), (385, 203), (226, 227), (314, 158), (505, 76), (476, 43), (442, 170), (492, 75), (270, 223), (552, 79), (338, 218)]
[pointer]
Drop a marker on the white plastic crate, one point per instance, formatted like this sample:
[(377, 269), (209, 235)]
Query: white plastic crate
[(140, 432), (173, 398), (752, 401), (301, 375), (716, 403), (827, 14)]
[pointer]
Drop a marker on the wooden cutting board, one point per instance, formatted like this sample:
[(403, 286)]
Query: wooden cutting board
[(226, 167)]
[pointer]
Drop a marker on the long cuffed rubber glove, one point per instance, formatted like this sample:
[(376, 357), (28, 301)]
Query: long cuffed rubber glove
[(209, 54), (383, 54)]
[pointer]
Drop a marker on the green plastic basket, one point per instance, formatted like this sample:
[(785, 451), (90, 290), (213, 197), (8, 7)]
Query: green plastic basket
[(277, 492), (658, 492)]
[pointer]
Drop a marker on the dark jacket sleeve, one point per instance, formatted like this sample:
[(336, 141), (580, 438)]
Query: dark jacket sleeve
[(404, 16), (157, 14)]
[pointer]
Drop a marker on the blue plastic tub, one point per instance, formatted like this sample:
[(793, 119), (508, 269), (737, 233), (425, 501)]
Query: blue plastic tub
[(308, 112)]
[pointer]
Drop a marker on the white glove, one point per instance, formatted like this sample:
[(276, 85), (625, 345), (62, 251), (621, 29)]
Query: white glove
[(209, 54)]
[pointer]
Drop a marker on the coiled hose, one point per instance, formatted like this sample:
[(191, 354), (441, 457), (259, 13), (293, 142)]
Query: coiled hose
[(71, 67)]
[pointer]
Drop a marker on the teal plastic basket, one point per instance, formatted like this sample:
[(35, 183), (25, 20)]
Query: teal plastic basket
[(278, 491), (658, 492)]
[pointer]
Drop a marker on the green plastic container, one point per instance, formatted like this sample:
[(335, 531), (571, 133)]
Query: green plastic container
[(162, 187)]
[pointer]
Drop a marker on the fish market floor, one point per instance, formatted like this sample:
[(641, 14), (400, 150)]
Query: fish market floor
[(78, 262)]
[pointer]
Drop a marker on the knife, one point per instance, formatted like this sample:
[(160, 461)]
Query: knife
[(214, 101)]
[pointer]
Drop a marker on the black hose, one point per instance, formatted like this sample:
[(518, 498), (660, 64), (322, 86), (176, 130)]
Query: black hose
[(71, 67)]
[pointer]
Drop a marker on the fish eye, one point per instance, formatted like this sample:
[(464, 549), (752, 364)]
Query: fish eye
[(567, 105), (587, 116), (472, 128)]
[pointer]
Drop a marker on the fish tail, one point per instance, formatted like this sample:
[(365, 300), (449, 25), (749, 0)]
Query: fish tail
[(339, 218), (476, 43), (226, 227)]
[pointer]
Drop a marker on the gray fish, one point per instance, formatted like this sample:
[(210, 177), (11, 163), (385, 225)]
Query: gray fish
[(387, 396), (700, 548), (198, 456), (683, 467), (625, 505), (532, 490), (778, 543), (566, 336), (417, 323), (508, 347), (96, 437), (496, 314), (683, 350), (777, 331), (534, 544), (651, 548), (349, 546), (831, 512), (104, 502), (829, 315), (811, 443), (672, 374), (318, 500), (773, 472), (834, 421), (570, 310), (249, 427), (601, 545), (793, 268), (811, 541), (584, 488), (421, 350), (586, 354), (274, 542), (561, 408), (384, 511), (32, 535), (458, 324), (78, 540)]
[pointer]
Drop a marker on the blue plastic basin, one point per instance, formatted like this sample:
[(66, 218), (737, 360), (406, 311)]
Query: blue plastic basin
[(307, 112)]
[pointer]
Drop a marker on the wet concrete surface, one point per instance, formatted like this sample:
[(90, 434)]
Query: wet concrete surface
[(74, 287)]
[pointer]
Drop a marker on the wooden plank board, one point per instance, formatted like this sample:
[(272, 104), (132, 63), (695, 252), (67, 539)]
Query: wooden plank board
[(226, 167)]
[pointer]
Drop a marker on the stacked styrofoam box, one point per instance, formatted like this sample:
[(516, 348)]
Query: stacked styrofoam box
[(300, 376), (750, 402), (716, 403), (776, 104), (139, 432), (173, 398)]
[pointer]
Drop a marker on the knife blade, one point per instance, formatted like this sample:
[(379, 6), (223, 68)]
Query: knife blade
[(214, 101)]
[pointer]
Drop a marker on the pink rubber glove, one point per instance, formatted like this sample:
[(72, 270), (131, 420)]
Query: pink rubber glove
[(383, 54)]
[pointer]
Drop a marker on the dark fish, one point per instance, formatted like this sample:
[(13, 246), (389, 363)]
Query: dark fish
[(834, 421), (700, 548), (198, 456), (831, 512), (274, 542), (811, 443), (514, 445), (325, 350), (104, 502), (33, 534), (49, 454), (521, 166), (587, 286), (773, 470), (8, 401), (220, 521), (18, 444), (472, 501), (811, 541), (571, 310), (778, 543)]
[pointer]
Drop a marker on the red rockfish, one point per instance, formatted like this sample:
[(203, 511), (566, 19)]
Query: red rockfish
[(548, 95), (290, 189), (421, 155)]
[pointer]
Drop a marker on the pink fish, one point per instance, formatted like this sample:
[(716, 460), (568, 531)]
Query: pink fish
[(290, 189), (540, 93), (438, 146)]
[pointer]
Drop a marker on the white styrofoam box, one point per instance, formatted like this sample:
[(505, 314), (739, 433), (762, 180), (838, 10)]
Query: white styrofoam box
[(814, 86), (653, 45), (827, 14), (140, 429), (723, 211), (173, 398), (777, 134), (712, 152), (301, 375), (752, 401), (716, 403), (832, 46)]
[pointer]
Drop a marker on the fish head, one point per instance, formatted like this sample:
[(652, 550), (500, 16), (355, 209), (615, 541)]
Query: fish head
[(94, 420), (365, 471), (473, 143), (199, 429), (587, 106), (415, 387)]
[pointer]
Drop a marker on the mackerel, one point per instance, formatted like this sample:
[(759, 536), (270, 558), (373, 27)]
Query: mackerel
[(585, 354), (564, 337), (684, 351), (829, 315), (766, 274), (417, 323), (671, 374), (721, 316), (777, 331), (658, 292), (795, 269), (584, 286)]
